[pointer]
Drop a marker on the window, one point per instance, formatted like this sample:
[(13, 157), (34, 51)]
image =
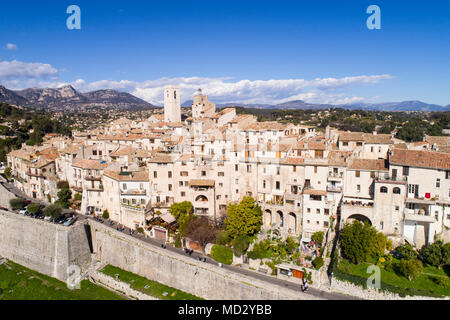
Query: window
[(397, 208), (357, 174), (155, 174), (372, 174), (180, 183), (278, 170), (169, 174), (277, 185), (249, 168), (438, 183), (294, 168), (264, 184), (124, 186), (325, 224), (345, 144), (315, 169), (170, 187), (447, 174), (220, 174), (396, 190), (318, 211), (203, 173), (405, 171), (174, 94), (384, 190), (183, 194), (359, 144), (236, 167), (358, 188), (327, 212), (308, 210)]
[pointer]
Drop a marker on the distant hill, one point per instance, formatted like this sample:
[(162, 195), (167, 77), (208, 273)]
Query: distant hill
[(66, 98), (11, 97)]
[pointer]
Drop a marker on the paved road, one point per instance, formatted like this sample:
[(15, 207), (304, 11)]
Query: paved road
[(311, 291)]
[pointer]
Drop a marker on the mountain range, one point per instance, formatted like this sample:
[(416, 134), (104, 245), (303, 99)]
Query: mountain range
[(67, 98)]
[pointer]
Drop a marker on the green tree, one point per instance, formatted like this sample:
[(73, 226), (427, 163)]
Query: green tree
[(17, 203), (244, 218), (105, 214), (291, 245), (222, 254), (317, 237), (436, 254), (360, 242), (62, 185), (64, 196), (34, 208), (407, 251), (7, 173), (410, 268), (184, 213), (53, 211), (240, 245)]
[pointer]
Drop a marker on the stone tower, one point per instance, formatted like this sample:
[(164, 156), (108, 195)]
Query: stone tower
[(202, 107), (172, 104)]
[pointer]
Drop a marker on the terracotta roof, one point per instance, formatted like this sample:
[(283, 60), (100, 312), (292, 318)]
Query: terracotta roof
[(439, 140), (421, 159), (315, 192), (311, 144), (351, 136), (161, 158), (293, 161), (266, 126), (338, 158), (89, 164), (201, 183), (368, 164), (132, 176), (378, 138)]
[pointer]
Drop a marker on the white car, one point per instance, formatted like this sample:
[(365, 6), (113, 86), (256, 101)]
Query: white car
[(23, 211)]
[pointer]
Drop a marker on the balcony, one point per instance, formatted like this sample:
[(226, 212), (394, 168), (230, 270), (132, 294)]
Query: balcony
[(93, 178), (331, 188), (335, 176), (421, 215), (133, 207), (201, 211), (387, 178), (133, 192)]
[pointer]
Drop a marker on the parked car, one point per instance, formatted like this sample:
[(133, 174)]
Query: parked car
[(27, 202), (61, 219), (3, 208), (48, 218), (24, 212), (69, 221)]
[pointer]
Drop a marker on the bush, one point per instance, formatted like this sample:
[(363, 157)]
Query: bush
[(178, 242), (62, 185), (436, 254), (260, 250), (17, 203), (240, 245), (318, 237), (34, 208), (77, 197), (318, 263), (407, 251), (64, 195), (53, 211), (105, 214), (410, 268), (223, 238), (140, 230), (222, 254)]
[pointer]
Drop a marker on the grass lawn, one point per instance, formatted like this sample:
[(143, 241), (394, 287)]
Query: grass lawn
[(423, 281), (20, 283), (147, 286)]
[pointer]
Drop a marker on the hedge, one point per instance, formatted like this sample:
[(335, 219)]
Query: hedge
[(222, 254)]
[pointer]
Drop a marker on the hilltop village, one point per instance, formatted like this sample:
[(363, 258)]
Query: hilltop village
[(303, 180)]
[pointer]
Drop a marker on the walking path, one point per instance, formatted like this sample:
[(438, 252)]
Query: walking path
[(270, 279)]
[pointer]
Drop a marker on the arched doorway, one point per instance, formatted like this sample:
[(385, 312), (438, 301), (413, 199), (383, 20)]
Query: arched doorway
[(360, 218), (292, 222), (280, 219), (268, 218)]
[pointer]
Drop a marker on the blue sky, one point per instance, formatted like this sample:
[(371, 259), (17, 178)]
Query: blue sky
[(247, 51)]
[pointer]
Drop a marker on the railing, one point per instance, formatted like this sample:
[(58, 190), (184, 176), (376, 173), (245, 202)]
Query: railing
[(334, 189), (134, 192)]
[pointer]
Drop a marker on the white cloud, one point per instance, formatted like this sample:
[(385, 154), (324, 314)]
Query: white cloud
[(17, 75), (11, 46), (13, 70)]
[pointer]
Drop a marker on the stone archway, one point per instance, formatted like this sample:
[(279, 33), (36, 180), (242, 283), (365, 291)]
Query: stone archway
[(360, 218), (279, 219), (292, 222), (267, 218)]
